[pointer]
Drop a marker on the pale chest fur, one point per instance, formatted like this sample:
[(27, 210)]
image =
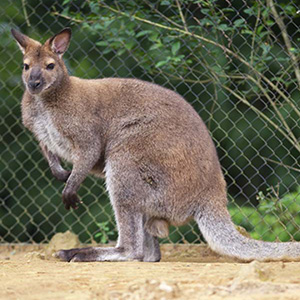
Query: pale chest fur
[(46, 131)]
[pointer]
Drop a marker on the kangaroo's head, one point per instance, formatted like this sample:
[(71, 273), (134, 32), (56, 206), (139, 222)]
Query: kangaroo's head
[(43, 67)]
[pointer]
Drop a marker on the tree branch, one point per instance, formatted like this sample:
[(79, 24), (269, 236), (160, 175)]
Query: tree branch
[(181, 16), (286, 38), (25, 13)]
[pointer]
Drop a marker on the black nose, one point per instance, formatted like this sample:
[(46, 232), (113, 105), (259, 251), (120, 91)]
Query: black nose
[(35, 78), (34, 84)]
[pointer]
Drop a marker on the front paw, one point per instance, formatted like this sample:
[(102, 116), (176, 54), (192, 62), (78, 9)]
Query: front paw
[(62, 175), (70, 200)]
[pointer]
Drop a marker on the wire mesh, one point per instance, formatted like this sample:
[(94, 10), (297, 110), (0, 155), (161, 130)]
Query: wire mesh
[(236, 62)]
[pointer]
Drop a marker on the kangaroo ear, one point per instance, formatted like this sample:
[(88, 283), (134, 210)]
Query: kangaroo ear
[(59, 43), (23, 41)]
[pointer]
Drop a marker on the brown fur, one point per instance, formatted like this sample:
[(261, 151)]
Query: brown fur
[(156, 155)]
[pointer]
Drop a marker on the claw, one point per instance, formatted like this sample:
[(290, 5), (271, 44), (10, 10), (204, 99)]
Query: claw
[(71, 200), (56, 254), (74, 259)]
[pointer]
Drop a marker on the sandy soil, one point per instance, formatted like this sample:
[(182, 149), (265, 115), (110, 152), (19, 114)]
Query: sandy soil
[(186, 272)]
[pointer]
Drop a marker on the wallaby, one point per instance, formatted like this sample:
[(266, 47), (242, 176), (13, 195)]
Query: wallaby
[(156, 154)]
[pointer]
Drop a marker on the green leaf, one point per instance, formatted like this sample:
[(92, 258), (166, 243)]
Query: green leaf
[(227, 9), (282, 59), (94, 8), (290, 10), (107, 50), (143, 32), (129, 45), (249, 11), (247, 31), (121, 51), (175, 47), (206, 22), (155, 46), (270, 22), (205, 11), (224, 27), (154, 36), (161, 63), (293, 50), (102, 43), (259, 29), (266, 12), (239, 22), (66, 2)]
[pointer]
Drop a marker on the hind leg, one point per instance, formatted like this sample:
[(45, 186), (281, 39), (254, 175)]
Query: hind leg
[(133, 244), (130, 245)]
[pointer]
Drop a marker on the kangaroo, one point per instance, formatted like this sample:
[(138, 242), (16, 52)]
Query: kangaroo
[(154, 151)]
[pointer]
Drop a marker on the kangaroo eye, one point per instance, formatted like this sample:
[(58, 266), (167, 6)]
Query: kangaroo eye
[(26, 67), (50, 67)]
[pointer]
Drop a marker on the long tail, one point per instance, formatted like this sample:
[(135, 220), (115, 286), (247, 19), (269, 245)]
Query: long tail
[(223, 237)]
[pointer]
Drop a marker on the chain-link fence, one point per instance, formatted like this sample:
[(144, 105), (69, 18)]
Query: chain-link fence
[(236, 62)]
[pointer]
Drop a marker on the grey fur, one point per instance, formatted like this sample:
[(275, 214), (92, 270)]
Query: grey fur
[(157, 157)]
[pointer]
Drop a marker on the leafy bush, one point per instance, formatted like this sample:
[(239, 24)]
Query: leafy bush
[(273, 219), (103, 236)]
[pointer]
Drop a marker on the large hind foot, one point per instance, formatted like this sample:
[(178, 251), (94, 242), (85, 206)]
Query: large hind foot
[(95, 254)]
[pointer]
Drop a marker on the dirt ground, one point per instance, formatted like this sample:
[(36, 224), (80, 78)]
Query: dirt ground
[(185, 272)]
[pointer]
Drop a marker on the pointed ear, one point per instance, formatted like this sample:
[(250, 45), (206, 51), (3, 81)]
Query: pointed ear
[(59, 43), (23, 41)]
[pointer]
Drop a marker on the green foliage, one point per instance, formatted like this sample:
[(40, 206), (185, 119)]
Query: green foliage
[(139, 26), (105, 233), (273, 219)]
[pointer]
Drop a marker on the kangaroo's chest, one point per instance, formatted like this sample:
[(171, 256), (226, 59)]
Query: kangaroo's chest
[(46, 131)]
